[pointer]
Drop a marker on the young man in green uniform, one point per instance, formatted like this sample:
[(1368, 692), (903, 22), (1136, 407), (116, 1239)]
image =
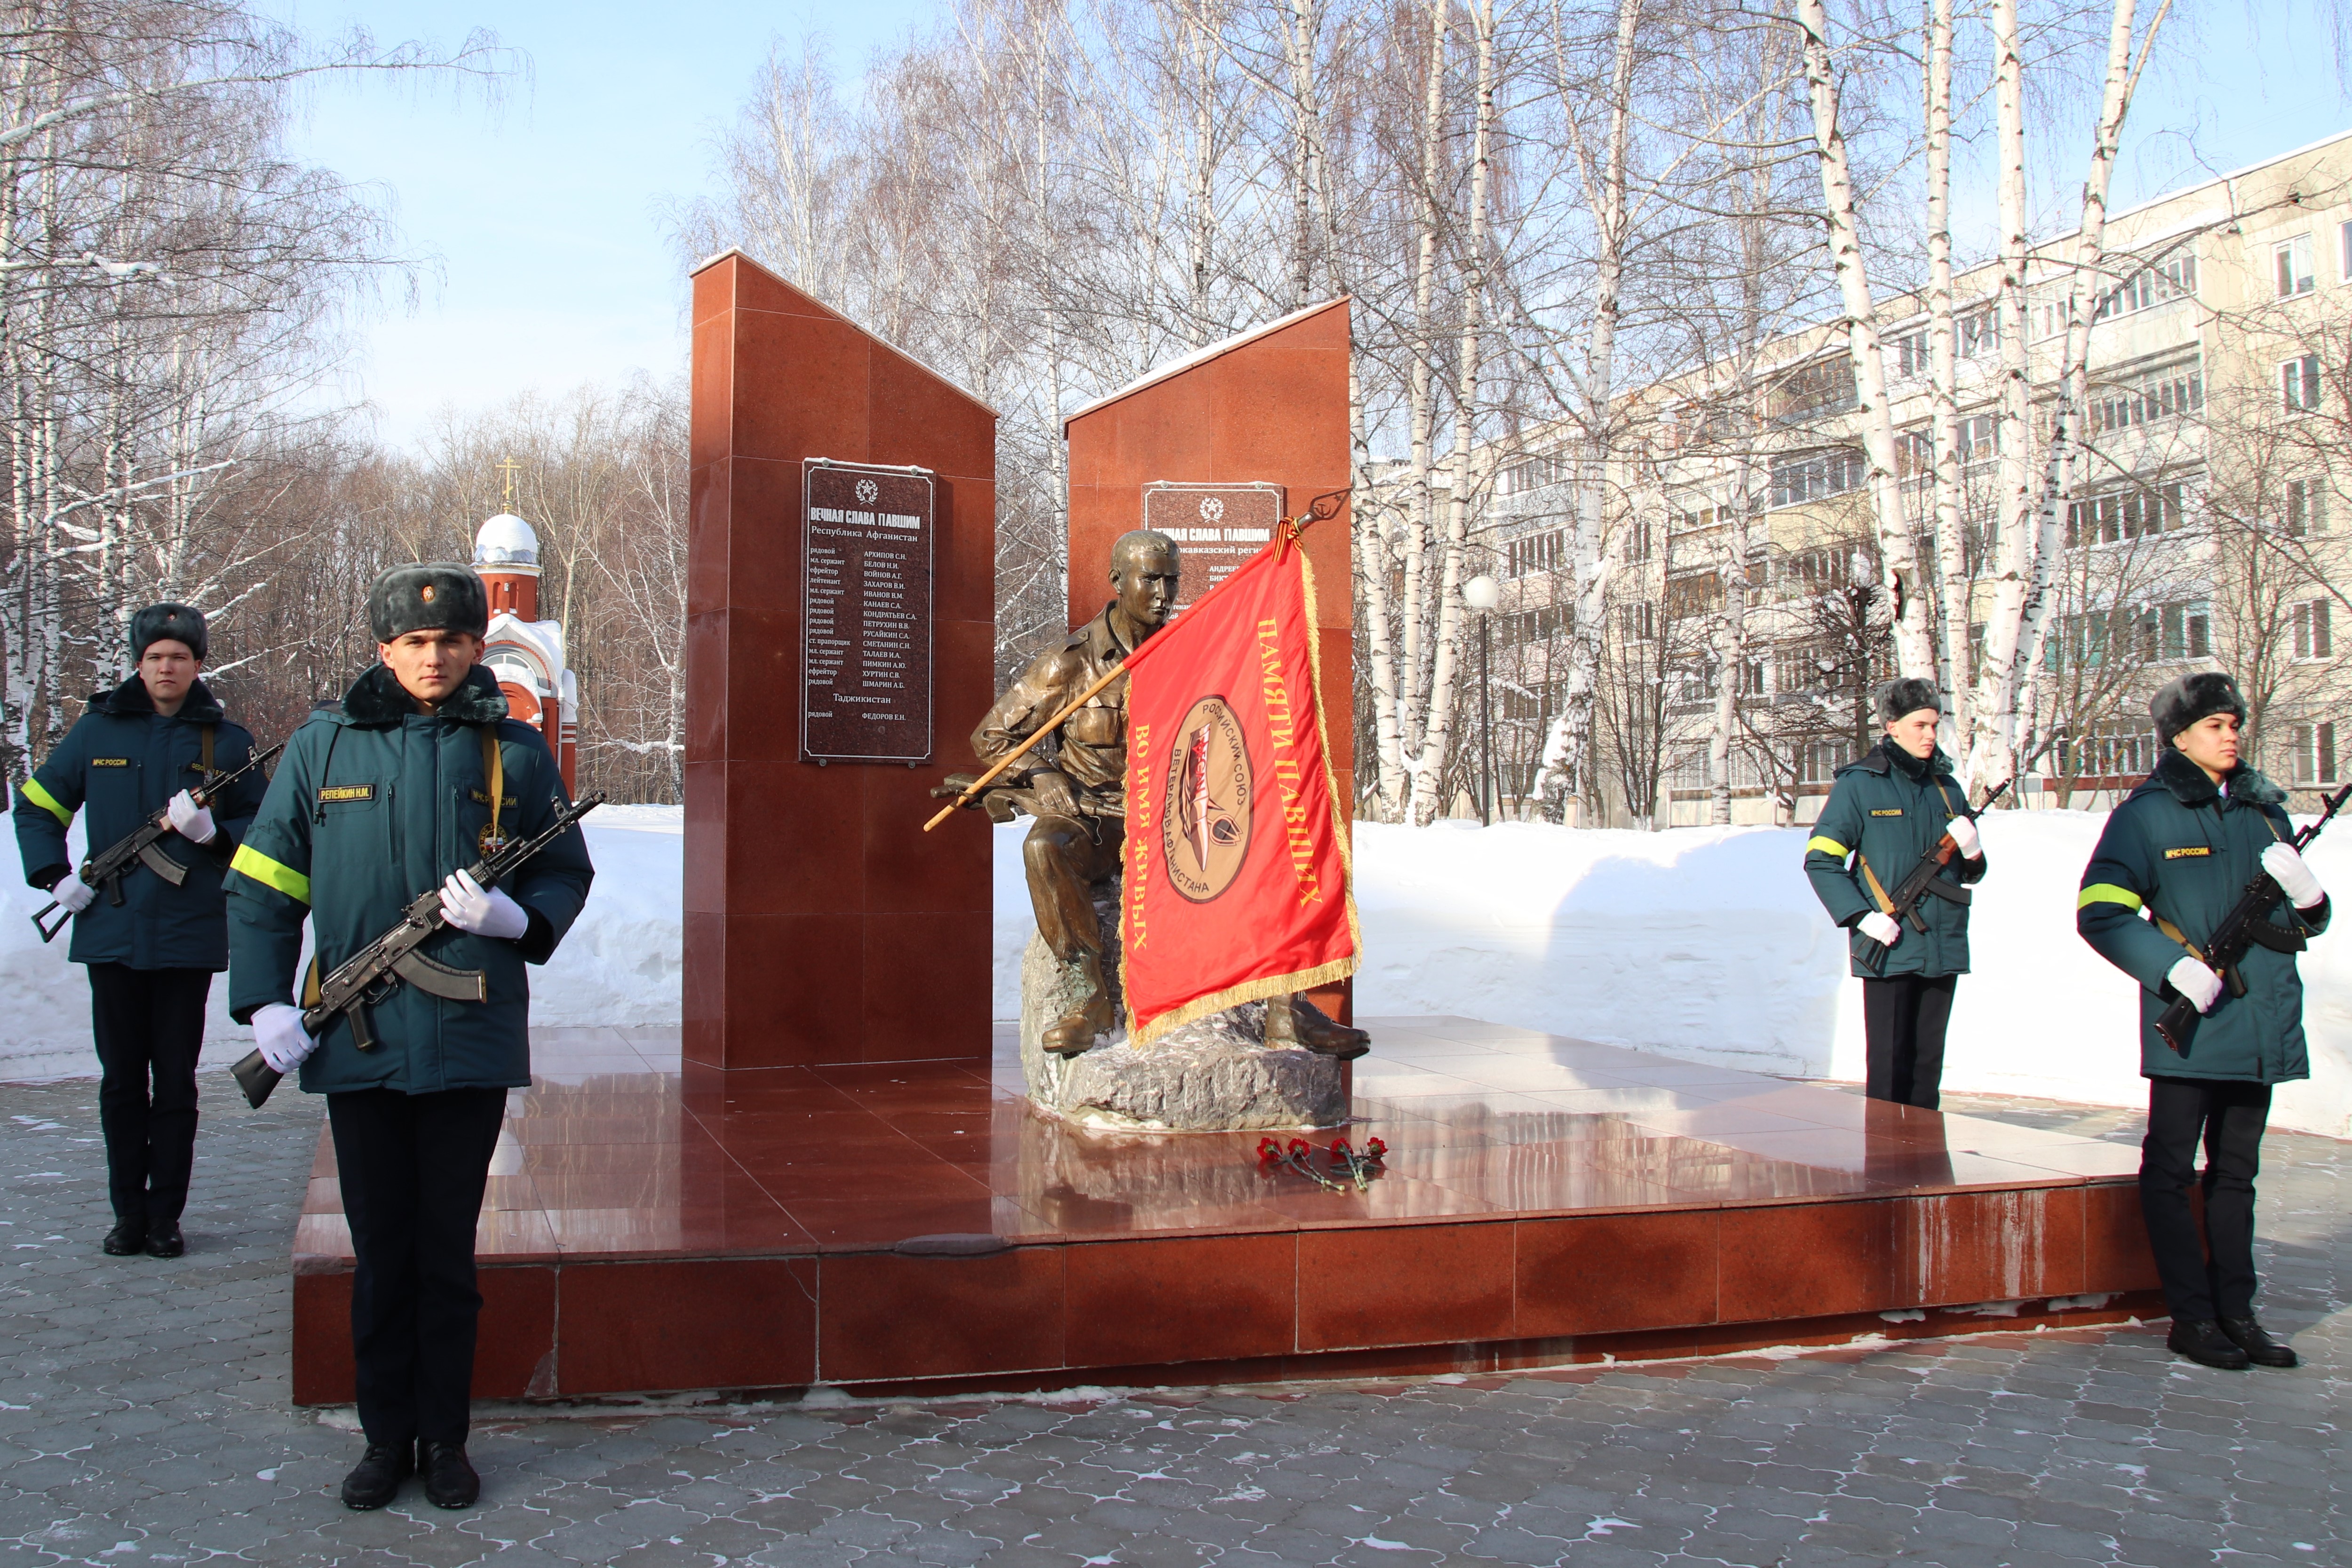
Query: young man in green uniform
[(151, 954), (415, 775), (1883, 813), (2181, 850)]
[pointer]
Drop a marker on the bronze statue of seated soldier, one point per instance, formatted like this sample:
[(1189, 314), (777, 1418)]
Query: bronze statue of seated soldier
[(1077, 793)]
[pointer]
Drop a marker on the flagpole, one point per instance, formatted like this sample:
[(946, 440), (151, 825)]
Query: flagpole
[(1321, 507)]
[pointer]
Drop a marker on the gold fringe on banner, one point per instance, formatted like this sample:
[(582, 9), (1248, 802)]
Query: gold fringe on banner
[(1270, 986)]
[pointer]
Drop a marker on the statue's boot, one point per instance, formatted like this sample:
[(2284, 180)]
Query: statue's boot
[(1293, 1020), (1076, 1033)]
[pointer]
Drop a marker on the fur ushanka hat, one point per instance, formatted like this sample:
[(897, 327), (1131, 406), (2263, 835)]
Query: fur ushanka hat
[(175, 623), (1909, 695), (2184, 701), (433, 595)]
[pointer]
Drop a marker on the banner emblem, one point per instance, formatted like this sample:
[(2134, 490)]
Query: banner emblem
[(1205, 831)]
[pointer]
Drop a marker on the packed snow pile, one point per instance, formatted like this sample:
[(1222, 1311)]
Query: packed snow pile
[(619, 966), (1698, 942)]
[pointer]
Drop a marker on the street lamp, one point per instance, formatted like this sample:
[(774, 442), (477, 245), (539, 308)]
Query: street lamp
[(1482, 593)]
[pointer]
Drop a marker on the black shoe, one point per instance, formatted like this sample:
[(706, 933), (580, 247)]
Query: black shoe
[(376, 1480), (166, 1240), (2201, 1340), (128, 1236), (2255, 1341), (450, 1477)]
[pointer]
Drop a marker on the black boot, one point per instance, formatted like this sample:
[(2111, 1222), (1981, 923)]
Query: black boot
[(376, 1480), (166, 1240), (1293, 1020), (128, 1236), (2255, 1341), (450, 1477), (2201, 1340)]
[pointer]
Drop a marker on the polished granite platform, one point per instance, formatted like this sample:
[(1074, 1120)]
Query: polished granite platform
[(1544, 1200)]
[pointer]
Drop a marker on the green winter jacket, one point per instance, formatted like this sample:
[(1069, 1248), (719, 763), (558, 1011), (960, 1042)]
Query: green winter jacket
[(2181, 849), (1884, 812), (373, 806), (118, 766)]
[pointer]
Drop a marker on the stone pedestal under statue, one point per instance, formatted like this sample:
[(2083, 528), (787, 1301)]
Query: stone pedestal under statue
[(1213, 1075)]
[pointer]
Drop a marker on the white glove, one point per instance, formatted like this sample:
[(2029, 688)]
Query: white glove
[(1881, 928), (485, 914), (189, 820), (2194, 980), (73, 895), (1963, 830), (278, 1035), (2293, 877)]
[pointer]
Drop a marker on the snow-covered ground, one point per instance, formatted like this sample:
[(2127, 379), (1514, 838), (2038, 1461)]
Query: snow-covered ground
[(1698, 942)]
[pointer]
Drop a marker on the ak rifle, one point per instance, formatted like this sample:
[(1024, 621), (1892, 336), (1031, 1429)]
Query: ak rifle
[(1926, 879), (2246, 926), (140, 846), (370, 975)]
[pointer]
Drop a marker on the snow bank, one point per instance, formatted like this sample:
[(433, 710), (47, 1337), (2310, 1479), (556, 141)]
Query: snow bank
[(1700, 943), (620, 964)]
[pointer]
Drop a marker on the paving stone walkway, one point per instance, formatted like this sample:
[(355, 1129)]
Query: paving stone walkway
[(144, 1418)]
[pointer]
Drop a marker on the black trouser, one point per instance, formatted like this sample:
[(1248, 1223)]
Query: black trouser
[(2228, 1119), (1903, 1021), (150, 1025), (412, 1167)]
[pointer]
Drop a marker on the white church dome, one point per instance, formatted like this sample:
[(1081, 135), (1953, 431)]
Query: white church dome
[(506, 541)]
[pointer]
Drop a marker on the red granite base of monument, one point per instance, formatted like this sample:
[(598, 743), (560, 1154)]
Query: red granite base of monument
[(1545, 1200)]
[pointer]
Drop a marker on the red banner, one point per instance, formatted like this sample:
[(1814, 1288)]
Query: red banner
[(1237, 873)]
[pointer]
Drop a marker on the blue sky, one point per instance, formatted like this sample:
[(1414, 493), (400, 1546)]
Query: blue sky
[(543, 215)]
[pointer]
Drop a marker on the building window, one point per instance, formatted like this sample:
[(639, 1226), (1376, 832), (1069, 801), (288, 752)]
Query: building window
[(2173, 277), (2292, 268), (1979, 333), (2314, 636), (2183, 631), (1639, 541), (2307, 507), (1640, 620), (1816, 476), (2108, 751), (2344, 251), (2315, 754), (1911, 354), (2125, 515), (1810, 391), (2299, 383), (1534, 473), (1532, 552), (2163, 393), (2055, 318)]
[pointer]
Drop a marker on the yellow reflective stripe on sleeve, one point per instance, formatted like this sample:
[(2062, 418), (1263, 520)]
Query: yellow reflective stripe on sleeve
[(2107, 893), (46, 800), (1826, 846), (268, 872)]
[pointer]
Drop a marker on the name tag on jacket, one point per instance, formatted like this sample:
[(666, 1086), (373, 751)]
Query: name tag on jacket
[(333, 793), (2185, 850), (110, 762)]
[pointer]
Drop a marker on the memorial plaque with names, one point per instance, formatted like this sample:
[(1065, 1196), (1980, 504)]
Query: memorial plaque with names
[(1215, 527), (865, 614)]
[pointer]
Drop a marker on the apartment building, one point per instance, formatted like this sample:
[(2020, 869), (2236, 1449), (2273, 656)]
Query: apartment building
[(2207, 527)]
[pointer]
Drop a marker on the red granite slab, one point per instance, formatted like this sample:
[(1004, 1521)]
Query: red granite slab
[(654, 1225)]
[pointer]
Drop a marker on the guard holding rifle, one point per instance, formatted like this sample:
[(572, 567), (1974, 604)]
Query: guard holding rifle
[(2185, 850), (148, 748), (418, 774), (1887, 814)]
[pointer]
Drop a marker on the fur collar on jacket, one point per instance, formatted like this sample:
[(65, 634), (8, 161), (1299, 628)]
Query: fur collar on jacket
[(2189, 785), (130, 700), (376, 698)]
